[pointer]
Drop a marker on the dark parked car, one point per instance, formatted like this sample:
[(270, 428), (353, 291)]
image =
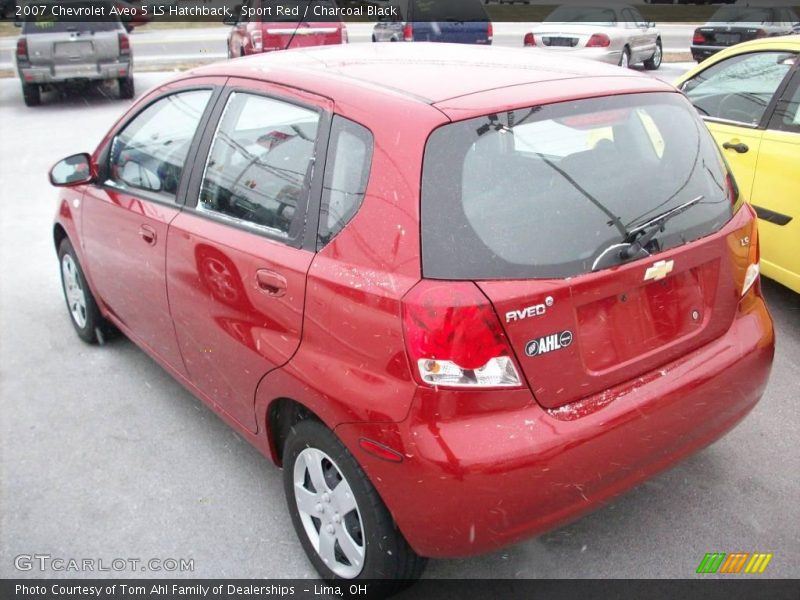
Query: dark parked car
[(731, 25), (451, 21), (458, 310)]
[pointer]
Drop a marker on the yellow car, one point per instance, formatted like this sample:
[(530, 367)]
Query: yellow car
[(749, 97)]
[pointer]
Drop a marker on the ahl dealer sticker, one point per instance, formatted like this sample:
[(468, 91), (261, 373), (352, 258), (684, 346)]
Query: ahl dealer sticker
[(548, 343)]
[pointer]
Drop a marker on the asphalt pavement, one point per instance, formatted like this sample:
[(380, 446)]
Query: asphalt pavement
[(104, 456)]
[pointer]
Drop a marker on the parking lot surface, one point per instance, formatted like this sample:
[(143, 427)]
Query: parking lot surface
[(103, 455)]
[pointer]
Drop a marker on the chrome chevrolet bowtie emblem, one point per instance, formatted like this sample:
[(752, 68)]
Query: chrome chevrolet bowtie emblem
[(659, 270)]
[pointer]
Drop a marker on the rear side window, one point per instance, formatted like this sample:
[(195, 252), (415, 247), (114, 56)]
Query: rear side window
[(346, 175), (544, 192), (258, 169), (149, 153)]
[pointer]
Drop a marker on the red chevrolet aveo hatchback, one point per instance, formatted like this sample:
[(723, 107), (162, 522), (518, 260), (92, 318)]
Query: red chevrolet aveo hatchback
[(458, 311)]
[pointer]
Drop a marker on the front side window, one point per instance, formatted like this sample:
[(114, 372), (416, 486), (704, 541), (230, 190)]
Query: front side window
[(544, 192), (259, 165), (148, 155), (740, 88)]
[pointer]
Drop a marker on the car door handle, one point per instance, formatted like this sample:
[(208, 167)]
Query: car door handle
[(271, 282), (148, 234), (739, 147)]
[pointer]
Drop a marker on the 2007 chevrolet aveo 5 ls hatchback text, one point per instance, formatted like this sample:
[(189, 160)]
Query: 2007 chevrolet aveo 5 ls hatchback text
[(457, 313)]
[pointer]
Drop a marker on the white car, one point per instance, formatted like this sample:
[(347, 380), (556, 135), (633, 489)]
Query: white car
[(616, 34)]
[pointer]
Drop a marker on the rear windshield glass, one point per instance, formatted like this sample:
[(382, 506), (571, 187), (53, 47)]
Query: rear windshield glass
[(582, 14), (72, 21), (447, 10), (742, 15), (545, 191)]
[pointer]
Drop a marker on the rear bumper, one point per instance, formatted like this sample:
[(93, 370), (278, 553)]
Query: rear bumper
[(87, 71), (473, 484), (605, 55), (700, 53)]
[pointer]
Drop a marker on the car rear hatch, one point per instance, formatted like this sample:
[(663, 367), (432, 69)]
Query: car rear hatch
[(280, 36), (547, 209), (727, 35), (72, 47), (299, 24)]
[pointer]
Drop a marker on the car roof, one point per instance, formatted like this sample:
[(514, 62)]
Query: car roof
[(426, 72)]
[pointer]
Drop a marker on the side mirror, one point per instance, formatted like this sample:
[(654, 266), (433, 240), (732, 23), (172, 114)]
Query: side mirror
[(73, 170)]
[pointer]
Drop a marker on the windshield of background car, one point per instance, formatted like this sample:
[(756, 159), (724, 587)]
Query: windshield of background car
[(448, 10), (582, 14), (732, 14), (540, 192)]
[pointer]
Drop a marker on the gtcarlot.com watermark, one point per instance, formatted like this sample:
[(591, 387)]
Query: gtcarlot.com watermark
[(48, 562)]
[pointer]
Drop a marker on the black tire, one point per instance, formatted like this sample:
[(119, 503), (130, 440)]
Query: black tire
[(387, 555), (31, 94), (93, 327), (654, 62), (126, 88), (625, 58)]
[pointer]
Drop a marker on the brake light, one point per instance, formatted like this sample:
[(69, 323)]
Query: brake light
[(22, 49), (529, 40), (598, 40), (698, 38), (454, 338), (753, 259), (124, 44), (257, 39), (408, 33), (490, 33)]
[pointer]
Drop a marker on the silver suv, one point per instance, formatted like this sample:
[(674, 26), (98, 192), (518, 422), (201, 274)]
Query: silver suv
[(51, 52)]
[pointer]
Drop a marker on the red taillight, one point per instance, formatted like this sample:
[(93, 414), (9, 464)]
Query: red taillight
[(490, 33), (408, 33), (698, 39), (22, 49), (124, 44), (529, 40), (454, 338), (599, 40), (753, 259)]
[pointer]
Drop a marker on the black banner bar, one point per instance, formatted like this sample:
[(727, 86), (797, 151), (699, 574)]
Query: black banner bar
[(733, 588), (217, 11)]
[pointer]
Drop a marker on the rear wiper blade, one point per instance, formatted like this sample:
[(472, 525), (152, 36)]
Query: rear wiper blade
[(639, 236)]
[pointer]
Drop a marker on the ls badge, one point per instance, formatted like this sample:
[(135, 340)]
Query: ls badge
[(659, 270)]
